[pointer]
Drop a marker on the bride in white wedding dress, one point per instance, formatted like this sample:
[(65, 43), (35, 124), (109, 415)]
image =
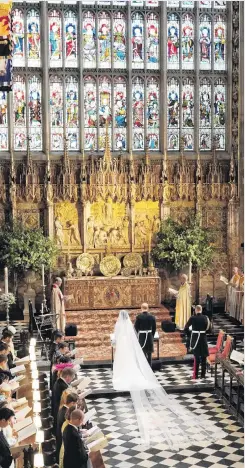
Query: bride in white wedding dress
[(160, 417)]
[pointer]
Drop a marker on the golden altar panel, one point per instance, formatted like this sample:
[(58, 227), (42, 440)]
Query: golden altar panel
[(66, 224), (147, 222), (116, 293)]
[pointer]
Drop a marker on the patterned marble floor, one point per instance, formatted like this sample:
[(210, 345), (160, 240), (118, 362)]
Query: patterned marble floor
[(116, 417)]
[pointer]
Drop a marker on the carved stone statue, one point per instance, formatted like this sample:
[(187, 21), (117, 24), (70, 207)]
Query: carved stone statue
[(124, 238), (90, 232), (59, 232), (73, 232)]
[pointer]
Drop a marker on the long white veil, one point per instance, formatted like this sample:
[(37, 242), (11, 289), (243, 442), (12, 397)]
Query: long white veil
[(160, 418)]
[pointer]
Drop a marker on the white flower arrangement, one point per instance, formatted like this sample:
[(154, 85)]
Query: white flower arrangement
[(7, 300)]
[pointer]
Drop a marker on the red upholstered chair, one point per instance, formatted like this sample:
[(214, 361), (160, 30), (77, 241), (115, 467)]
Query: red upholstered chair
[(225, 354), (217, 348)]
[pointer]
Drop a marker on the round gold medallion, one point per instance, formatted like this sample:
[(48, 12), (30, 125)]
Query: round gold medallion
[(126, 271), (110, 266), (132, 260), (85, 262)]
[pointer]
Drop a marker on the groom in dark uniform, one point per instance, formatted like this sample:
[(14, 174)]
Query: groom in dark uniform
[(199, 324), (145, 327)]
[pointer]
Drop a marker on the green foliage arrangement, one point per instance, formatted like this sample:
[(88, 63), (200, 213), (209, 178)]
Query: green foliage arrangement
[(23, 249), (178, 244), (6, 300)]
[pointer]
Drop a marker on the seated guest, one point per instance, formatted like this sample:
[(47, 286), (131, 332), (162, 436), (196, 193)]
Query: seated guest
[(7, 338), (65, 424), (57, 338), (63, 361), (6, 418), (63, 350), (4, 369), (3, 348), (75, 454), (11, 344), (71, 400), (66, 377)]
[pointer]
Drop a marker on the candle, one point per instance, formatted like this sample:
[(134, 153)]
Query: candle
[(6, 280), (190, 268), (43, 284), (149, 243)]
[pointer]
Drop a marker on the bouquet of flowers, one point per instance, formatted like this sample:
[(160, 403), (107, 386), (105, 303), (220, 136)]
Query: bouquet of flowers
[(6, 300)]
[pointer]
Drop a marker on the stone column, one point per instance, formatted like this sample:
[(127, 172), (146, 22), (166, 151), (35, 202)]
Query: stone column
[(45, 69), (163, 77), (233, 233), (241, 135)]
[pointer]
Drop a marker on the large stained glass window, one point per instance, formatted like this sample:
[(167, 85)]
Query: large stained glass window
[(105, 113), (219, 113), (205, 115), (3, 121), (55, 39), (35, 113), (138, 40), (33, 39), (90, 113), (18, 38), (119, 40), (19, 99), (70, 39), (138, 95), (120, 114), (153, 114), (56, 113), (188, 114), (120, 65), (173, 123)]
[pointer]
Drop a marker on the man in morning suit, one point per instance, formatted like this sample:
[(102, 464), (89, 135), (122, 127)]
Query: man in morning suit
[(66, 377), (75, 455), (71, 400), (6, 417), (145, 327)]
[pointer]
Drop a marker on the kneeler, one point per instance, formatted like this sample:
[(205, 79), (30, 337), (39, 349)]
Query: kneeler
[(96, 460)]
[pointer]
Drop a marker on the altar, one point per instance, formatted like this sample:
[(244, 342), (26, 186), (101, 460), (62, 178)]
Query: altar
[(112, 293)]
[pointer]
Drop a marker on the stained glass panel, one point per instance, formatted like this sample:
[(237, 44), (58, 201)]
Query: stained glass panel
[(152, 3), (120, 114), (205, 4), (105, 116), (152, 113), (18, 38), (219, 114), (219, 43), (3, 121), (187, 42), (205, 115), (19, 99), (55, 39), (119, 45), (71, 39), (57, 118), (104, 38), (90, 114), (219, 4), (205, 42), (172, 3), (152, 49), (72, 125), (35, 113), (138, 114), (188, 114), (138, 40), (89, 40), (33, 39), (173, 114), (187, 4), (173, 41)]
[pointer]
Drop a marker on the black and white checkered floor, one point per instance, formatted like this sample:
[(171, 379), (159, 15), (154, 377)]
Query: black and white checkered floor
[(170, 375), (116, 417)]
